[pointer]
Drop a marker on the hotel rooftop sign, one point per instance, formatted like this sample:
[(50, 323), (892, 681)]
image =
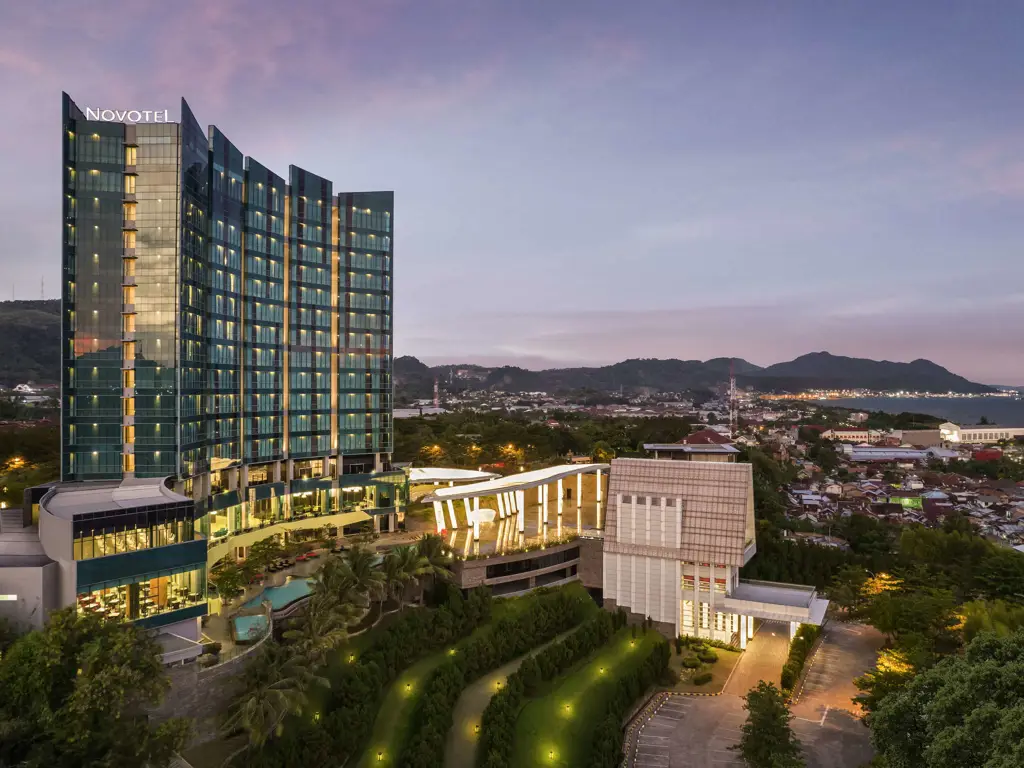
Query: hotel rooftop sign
[(128, 115)]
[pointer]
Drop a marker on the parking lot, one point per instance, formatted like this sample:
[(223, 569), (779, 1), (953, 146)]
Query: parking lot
[(689, 731)]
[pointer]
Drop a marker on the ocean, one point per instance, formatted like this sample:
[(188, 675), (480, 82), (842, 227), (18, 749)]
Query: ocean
[(965, 411)]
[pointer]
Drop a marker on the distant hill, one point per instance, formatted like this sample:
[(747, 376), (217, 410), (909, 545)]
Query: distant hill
[(30, 351), (29, 342), (414, 380)]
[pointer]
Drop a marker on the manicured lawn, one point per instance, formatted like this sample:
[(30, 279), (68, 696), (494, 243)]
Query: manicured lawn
[(720, 671), (392, 723), (391, 728), (557, 729)]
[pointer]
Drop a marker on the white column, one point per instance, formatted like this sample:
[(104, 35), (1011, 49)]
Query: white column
[(793, 627), (451, 483), (521, 504), (469, 511), (451, 514), (579, 490), (696, 599), (476, 519), (439, 516), (743, 631), (501, 507), (561, 500), (750, 627), (545, 502), (711, 601), (599, 486)]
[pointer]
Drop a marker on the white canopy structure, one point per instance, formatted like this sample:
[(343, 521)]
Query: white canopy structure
[(418, 475), (510, 492)]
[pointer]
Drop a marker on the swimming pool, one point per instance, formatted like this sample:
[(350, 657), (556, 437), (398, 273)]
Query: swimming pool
[(249, 629), (279, 597)]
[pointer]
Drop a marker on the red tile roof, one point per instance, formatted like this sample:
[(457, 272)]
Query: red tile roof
[(705, 437)]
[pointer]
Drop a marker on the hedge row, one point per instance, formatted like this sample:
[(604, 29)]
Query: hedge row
[(803, 640), (606, 751), (358, 682), (549, 614), (498, 725)]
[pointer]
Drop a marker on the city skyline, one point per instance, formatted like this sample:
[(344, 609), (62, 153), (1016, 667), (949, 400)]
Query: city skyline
[(778, 181)]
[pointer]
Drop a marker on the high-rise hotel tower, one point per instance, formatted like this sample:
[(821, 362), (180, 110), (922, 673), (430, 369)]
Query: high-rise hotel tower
[(225, 362)]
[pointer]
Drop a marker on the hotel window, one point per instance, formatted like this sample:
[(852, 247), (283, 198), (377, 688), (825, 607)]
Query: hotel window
[(129, 185), (128, 378), (129, 239), (130, 155), (150, 595), (129, 211)]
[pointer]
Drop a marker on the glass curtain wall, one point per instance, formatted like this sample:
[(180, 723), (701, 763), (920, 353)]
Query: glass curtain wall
[(310, 345), (364, 374), (93, 248), (224, 302), (263, 342)]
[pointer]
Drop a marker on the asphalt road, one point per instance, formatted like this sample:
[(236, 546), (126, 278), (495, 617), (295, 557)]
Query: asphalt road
[(699, 731)]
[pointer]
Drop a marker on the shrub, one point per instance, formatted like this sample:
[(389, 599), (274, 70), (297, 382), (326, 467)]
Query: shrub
[(678, 642), (431, 719), (708, 656), (207, 660), (691, 662), (702, 679), (799, 649), (213, 647)]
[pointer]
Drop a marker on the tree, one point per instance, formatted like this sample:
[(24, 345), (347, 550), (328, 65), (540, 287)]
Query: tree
[(323, 628), (434, 551), (602, 452), (403, 566), (361, 564), (277, 684), (768, 740), (847, 590), (73, 694), (967, 710)]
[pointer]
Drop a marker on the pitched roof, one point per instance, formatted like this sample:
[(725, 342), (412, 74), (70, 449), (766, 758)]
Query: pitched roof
[(705, 437)]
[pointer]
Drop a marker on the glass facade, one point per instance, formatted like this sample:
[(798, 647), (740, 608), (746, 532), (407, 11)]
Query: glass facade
[(224, 327), (146, 595)]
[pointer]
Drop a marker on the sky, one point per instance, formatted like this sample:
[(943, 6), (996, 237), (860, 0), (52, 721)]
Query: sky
[(583, 181)]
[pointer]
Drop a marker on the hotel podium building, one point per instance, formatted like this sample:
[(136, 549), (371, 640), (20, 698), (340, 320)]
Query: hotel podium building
[(225, 369)]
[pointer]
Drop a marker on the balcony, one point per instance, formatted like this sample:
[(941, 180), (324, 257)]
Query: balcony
[(129, 197), (128, 224)]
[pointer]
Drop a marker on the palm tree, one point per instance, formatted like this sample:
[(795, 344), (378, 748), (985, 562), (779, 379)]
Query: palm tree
[(277, 684), (333, 583), (361, 564), (433, 549), (322, 629), (403, 565)]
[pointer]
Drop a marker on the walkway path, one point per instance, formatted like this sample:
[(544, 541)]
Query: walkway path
[(460, 750)]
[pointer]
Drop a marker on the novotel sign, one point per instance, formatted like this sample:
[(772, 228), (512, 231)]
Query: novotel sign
[(128, 115)]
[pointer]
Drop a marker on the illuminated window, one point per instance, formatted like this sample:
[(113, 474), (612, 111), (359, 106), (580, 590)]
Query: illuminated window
[(130, 155)]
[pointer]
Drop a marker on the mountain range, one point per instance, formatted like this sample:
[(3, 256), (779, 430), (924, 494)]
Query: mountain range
[(30, 351), (817, 370)]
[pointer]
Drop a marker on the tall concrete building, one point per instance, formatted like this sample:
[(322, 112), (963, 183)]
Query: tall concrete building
[(225, 368)]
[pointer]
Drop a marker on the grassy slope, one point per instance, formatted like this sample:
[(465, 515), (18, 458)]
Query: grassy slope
[(557, 729), (390, 729)]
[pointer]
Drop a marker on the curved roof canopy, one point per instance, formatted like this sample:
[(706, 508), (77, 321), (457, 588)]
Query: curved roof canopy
[(511, 483), (446, 475)]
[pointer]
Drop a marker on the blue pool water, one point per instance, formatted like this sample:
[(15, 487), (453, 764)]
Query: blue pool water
[(250, 628), (279, 597)]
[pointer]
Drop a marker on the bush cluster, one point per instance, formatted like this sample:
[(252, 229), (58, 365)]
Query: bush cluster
[(550, 614), (498, 724), (702, 678), (606, 751), (803, 640), (689, 641), (358, 682)]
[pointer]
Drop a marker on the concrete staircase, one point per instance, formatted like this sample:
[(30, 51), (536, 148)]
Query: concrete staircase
[(10, 520)]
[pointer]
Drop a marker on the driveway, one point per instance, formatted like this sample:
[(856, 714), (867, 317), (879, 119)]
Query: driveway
[(699, 731), (766, 653)]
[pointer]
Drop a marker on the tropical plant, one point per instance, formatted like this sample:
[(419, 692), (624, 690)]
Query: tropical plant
[(361, 564), (767, 740), (433, 549), (402, 566), (323, 628), (333, 584), (71, 694), (277, 684)]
